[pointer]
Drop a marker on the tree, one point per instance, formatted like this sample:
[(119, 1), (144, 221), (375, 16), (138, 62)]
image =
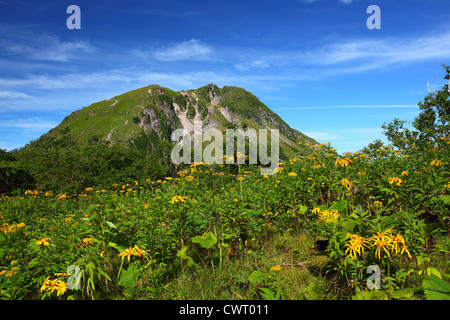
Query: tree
[(13, 176), (432, 125)]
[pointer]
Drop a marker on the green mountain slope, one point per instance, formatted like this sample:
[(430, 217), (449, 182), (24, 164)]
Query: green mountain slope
[(142, 117)]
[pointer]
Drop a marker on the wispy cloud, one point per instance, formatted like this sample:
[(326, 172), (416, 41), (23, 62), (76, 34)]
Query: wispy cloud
[(350, 106), (13, 95), (45, 48), (29, 124), (355, 55), (187, 50)]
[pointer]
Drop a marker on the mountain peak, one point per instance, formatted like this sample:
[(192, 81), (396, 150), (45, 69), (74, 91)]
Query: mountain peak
[(144, 116)]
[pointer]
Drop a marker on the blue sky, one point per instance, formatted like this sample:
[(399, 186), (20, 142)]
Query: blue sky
[(313, 62)]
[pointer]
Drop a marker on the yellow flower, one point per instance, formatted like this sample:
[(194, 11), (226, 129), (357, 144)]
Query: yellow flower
[(395, 241), (381, 241), (378, 204), (13, 228), (396, 180), (355, 245), (328, 216), (126, 253), (139, 252), (346, 183), (45, 284), (404, 173), (316, 210), (178, 199), (61, 196), (61, 288), (276, 268), (292, 174), (89, 189), (189, 178), (28, 192), (63, 274), (436, 163), (343, 162), (405, 248), (240, 178), (43, 241), (87, 240)]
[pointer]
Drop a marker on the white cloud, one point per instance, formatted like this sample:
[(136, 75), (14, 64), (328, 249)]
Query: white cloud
[(379, 53), (186, 50), (13, 95), (30, 124), (350, 106), (352, 56), (46, 48)]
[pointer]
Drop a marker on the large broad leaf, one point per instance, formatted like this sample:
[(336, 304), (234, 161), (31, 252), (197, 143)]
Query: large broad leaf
[(129, 276), (207, 240), (436, 288), (339, 205)]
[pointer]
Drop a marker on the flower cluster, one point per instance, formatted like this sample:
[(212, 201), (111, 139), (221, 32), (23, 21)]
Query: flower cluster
[(43, 241), (343, 162), (178, 199), (383, 242), (436, 163), (396, 180), (56, 284), (8, 229), (327, 215), (276, 268), (134, 251)]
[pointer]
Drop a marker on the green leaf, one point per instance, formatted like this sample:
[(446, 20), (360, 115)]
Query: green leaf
[(268, 294), (258, 277), (207, 240), (302, 209), (339, 205), (370, 295), (445, 199), (129, 276), (183, 256), (436, 288), (112, 225)]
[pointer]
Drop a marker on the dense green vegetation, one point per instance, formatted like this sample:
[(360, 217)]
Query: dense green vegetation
[(102, 216)]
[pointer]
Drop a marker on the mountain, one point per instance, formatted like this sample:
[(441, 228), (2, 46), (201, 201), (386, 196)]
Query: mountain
[(142, 117)]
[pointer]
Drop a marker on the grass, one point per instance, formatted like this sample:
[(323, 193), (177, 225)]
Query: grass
[(302, 268)]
